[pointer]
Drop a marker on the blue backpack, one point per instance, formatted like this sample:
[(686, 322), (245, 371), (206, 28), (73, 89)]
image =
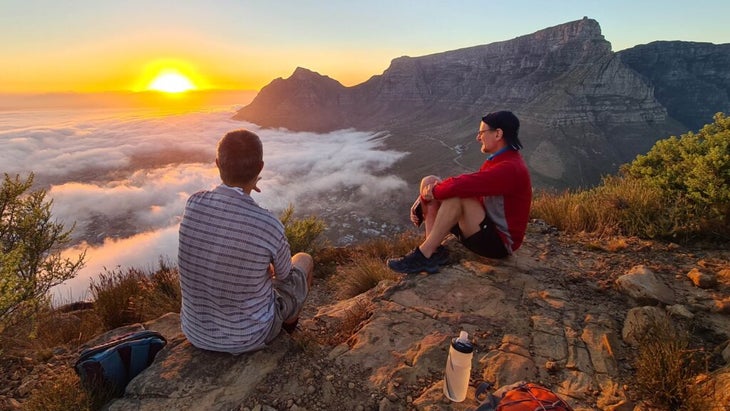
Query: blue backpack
[(110, 366)]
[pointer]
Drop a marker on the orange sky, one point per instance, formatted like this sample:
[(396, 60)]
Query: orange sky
[(92, 46)]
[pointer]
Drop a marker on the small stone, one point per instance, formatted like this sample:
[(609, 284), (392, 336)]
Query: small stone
[(306, 374), (724, 275), (552, 366), (289, 403), (702, 280), (351, 385), (680, 311), (329, 377), (311, 389), (722, 306)]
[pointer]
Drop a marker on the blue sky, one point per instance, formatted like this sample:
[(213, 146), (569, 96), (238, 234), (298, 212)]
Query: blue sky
[(85, 45)]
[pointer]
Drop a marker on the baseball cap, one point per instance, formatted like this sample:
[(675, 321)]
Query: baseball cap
[(509, 124)]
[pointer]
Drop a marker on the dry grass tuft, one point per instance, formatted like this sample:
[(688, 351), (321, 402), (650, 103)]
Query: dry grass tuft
[(62, 392), (133, 296), (361, 275), (617, 207), (667, 371)]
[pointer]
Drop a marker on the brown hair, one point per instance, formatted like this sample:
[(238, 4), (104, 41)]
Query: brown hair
[(240, 157)]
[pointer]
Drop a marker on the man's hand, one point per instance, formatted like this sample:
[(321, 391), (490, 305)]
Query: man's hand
[(426, 187), (427, 192)]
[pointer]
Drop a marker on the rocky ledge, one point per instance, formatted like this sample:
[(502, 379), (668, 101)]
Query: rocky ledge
[(568, 317), (563, 311)]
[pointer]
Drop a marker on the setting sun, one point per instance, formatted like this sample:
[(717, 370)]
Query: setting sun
[(171, 76), (171, 82)]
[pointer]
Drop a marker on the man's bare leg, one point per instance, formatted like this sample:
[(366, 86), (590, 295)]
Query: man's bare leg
[(467, 212), (305, 263)]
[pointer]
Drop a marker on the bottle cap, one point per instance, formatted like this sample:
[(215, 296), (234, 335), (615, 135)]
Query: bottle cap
[(462, 344)]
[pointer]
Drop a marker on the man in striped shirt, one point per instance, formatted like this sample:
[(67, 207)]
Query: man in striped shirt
[(487, 210), (240, 284)]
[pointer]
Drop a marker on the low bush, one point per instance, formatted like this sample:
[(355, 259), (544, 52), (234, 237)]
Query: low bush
[(126, 297), (679, 190), (303, 234)]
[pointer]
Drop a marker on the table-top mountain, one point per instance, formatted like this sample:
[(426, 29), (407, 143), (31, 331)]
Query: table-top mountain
[(584, 109)]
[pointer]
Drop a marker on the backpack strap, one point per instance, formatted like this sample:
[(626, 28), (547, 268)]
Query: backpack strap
[(487, 401)]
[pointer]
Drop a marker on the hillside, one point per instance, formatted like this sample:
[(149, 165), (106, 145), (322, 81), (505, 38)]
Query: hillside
[(553, 313), (584, 109)]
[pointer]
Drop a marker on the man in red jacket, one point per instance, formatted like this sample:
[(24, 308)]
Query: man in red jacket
[(487, 210)]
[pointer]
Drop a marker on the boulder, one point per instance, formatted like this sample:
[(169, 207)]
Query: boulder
[(641, 284), (640, 320)]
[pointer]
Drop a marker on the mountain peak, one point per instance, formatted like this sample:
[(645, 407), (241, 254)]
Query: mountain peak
[(301, 73), (562, 34)]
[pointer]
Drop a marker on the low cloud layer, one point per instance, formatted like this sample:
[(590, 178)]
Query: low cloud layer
[(123, 177)]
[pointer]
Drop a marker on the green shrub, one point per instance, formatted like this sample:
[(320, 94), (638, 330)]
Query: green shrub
[(693, 173), (680, 190), (304, 235), (30, 250)]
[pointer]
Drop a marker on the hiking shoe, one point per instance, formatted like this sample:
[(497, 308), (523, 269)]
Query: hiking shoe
[(441, 255), (413, 263)]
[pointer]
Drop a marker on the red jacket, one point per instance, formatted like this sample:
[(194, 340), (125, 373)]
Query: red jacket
[(504, 185)]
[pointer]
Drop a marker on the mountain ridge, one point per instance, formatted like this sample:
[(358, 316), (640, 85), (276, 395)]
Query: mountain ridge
[(584, 110)]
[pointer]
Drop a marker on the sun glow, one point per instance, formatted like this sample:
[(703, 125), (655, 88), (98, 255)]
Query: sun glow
[(170, 76), (171, 82)]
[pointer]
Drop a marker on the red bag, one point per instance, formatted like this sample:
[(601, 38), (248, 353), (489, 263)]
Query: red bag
[(524, 396), (531, 397)]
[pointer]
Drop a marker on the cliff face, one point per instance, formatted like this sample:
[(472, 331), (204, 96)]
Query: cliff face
[(584, 110), (691, 80)]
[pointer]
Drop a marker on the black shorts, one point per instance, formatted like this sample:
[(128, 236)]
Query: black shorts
[(485, 242)]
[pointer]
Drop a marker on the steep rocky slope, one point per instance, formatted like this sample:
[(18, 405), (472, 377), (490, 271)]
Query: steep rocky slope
[(690, 79)]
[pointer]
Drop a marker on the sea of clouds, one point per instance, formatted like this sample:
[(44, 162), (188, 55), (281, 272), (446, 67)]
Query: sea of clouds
[(89, 161)]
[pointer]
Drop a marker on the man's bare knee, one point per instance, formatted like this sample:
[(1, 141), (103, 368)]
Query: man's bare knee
[(430, 180), (304, 262)]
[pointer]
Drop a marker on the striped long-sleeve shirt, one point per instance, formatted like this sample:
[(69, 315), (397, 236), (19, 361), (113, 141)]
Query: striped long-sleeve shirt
[(227, 242)]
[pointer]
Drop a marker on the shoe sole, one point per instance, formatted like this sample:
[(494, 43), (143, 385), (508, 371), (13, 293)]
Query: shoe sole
[(433, 270)]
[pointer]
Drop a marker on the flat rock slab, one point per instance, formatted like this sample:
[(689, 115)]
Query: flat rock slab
[(183, 377)]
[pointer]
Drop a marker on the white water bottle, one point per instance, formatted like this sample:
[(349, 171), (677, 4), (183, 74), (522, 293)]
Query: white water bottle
[(458, 368)]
